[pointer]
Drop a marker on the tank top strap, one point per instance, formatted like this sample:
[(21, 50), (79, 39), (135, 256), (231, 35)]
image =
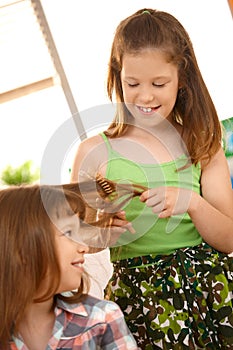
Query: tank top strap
[(109, 147)]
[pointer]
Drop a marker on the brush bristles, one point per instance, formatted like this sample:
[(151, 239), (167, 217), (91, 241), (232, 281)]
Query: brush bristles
[(105, 185)]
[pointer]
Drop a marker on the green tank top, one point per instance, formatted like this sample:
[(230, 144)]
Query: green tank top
[(153, 235)]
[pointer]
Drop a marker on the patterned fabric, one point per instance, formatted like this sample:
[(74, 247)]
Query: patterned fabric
[(92, 324), (178, 301)]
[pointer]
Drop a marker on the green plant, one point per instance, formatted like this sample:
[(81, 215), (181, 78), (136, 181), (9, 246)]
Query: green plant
[(228, 136), (23, 174)]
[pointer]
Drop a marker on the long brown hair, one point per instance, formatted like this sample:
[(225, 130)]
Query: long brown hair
[(194, 108), (28, 214), (28, 249)]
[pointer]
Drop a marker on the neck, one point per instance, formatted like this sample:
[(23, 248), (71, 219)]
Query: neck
[(40, 309), (38, 323), (165, 132)]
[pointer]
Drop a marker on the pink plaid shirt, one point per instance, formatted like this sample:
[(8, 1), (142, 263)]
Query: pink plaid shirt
[(89, 325)]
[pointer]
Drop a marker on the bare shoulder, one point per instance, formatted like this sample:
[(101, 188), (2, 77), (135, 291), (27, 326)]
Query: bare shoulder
[(89, 146), (91, 142), (90, 155), (217, 163)]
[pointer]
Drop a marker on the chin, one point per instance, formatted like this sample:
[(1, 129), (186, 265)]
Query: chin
[(69, 287)]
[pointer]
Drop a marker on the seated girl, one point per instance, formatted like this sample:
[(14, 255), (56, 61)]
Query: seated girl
[(44, 301)]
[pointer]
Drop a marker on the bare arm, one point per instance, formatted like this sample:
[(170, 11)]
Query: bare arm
[(212, 214), (90, 158)]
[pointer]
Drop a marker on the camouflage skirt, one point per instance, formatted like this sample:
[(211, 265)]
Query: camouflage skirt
[(178, 301)]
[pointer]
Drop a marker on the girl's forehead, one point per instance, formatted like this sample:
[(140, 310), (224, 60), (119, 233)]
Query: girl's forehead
[(149, 63), (63, 209), (146, 53)]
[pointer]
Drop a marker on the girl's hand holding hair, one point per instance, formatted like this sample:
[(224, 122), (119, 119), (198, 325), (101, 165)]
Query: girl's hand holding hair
[(167, 201), (120, 224), (117, 226), (108, 226)]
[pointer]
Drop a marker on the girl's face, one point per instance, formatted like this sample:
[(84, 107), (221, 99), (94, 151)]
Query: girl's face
[(150, 86), (70, 252)]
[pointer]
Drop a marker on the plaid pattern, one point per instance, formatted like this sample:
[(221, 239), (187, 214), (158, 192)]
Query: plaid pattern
[(91, 324)]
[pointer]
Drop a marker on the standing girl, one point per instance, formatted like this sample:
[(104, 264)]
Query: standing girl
[(173, 278)]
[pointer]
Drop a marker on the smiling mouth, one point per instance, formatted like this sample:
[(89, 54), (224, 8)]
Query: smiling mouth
[(78, 263), (148, 109)]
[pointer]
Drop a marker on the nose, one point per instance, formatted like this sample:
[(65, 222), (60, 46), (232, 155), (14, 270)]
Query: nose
[(146, 95), (82, 248)]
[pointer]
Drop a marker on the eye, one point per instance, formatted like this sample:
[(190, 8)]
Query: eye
[(132, 85), (158, 85), (68, 234)]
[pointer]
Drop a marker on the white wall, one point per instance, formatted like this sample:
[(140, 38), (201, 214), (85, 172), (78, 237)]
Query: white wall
[(83, 32)]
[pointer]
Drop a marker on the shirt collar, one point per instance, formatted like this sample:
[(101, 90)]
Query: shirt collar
[(78, 309)]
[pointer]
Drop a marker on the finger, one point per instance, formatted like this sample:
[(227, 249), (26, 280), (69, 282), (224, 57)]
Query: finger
[(164, 214), (144, 196), (124, 224), (115, 234), (147, 194), (159, 208), (118, 222), (121, 215), (129, 227), (153, 201), (114, 230)]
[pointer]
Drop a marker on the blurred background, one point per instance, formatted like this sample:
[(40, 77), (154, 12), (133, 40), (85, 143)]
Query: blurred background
[(53, 66)]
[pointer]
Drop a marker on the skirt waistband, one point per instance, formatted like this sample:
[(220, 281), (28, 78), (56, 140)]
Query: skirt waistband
[(201, 252)]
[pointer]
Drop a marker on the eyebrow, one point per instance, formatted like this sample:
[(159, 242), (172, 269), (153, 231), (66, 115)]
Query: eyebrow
[(155, 78)]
